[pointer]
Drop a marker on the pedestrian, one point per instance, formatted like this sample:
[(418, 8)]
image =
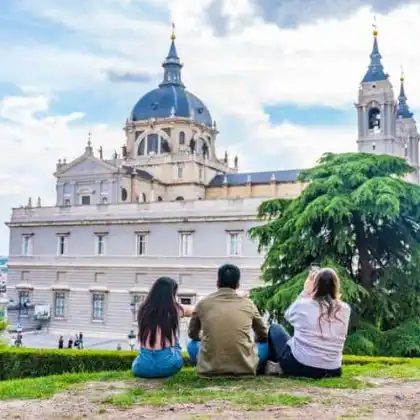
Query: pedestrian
[(18, 341), (81, 340), (70, 343), (76, 341), (131, 339), (119, 347), (61, 342)]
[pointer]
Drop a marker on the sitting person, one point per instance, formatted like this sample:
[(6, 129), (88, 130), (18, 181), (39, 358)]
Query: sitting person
[(158, 325), (226, 319), (320, 321)]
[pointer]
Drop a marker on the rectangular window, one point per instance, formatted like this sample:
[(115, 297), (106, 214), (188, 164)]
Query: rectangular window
[(62, 244), (138, 299), (187, 299), (234, 245), (59, 304), (85, 200), (186, 244), (141, 243), (183, 300), (27, 245), (98, 306), (24, 300), (100, 244)]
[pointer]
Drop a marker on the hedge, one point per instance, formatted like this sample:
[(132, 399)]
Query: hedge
[(28, 362)]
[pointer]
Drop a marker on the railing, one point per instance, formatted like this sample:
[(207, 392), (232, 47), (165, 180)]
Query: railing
[(156, 210)]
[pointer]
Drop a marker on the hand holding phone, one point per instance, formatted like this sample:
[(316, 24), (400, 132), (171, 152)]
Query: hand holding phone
[(309, 283), (315, 267)]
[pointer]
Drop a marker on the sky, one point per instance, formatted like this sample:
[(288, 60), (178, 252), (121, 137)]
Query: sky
[(280, 77)]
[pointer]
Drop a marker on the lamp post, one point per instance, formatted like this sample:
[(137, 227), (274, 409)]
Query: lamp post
[(131, 335), (23, 304)]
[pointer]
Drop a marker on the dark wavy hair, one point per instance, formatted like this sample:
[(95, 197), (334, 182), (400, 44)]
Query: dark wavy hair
[(160, 310), (327, 293)]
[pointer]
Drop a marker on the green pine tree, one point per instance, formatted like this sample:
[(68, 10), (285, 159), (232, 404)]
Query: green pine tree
[(357, 215)]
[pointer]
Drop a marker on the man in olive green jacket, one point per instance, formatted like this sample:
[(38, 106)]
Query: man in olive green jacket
[(225, 320)]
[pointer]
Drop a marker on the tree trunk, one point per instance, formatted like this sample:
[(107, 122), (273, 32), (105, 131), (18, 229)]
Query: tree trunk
[(366, 269)]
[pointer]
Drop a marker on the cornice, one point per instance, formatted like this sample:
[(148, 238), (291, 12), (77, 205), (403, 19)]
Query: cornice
[(104, 222)]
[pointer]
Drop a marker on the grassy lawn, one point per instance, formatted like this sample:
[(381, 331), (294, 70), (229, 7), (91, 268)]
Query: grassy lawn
[(185, 387)]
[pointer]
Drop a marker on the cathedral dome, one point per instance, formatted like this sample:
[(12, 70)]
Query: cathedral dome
[(171, 99)]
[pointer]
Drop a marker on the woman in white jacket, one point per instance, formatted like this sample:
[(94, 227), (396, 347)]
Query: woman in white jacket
[(320, 321)]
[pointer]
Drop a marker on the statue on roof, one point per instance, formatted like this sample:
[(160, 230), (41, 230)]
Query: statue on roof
[(205, 150), (192, 146)]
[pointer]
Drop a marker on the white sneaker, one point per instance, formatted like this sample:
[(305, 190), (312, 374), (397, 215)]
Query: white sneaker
[(273, 368)]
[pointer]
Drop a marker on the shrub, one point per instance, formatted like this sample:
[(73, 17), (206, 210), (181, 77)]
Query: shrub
[(25, 362), (367, 340), (3, 337), (358, 344), (403, 341)]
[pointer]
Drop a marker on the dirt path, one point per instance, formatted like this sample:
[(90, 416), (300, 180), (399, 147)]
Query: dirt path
[(388, 400)]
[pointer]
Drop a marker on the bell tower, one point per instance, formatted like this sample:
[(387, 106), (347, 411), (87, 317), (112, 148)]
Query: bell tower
[(376, 109), (407, 132)]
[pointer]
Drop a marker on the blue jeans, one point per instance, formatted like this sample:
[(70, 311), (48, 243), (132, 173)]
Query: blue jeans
[(280, 352), (157, 363), (193, 349)]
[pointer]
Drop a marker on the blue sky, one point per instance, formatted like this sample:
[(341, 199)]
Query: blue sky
[(279, 77)]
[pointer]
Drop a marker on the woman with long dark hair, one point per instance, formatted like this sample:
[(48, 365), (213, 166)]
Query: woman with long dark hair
[(320, 321), (158, 331)]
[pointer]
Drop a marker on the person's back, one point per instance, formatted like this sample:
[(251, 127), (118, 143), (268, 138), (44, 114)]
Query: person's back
[(320, 322), (227, 345), (318, 342), (158, 325), (226, 320)]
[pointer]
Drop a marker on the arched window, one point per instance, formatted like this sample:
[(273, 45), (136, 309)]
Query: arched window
[(179, 198), (153, 144), (104, 200), (67, 202), (124, 194), (181, 138), (141, 151), (374, 119)]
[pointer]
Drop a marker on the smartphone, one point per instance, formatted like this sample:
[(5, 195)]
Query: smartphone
[(315, 267)]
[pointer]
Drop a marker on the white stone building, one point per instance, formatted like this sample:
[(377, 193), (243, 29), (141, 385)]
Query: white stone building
[(166, 206)]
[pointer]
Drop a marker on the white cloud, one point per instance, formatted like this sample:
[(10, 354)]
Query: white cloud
[(32, 146), (317, 64)]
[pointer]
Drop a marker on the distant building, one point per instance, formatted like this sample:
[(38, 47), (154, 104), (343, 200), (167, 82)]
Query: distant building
[(166, 205)]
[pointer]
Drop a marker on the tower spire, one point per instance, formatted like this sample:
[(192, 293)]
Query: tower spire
[(375, 71), (172, 65), (403, 110)]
